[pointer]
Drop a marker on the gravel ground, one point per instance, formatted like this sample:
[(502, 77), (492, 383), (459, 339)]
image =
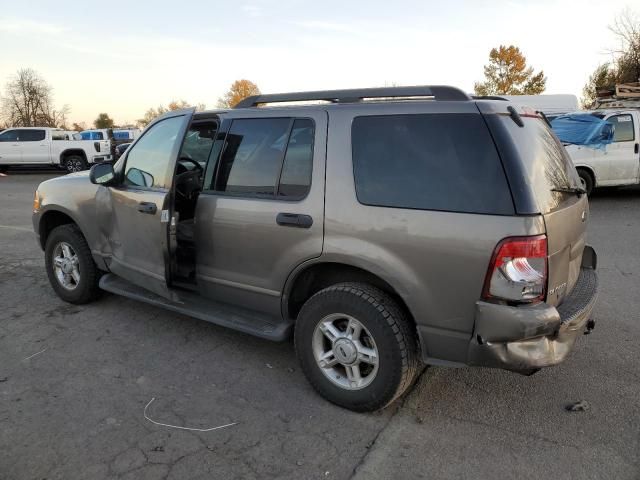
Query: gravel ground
[(75, 380)]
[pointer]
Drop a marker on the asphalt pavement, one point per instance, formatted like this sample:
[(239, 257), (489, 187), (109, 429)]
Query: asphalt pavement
[(75, 381)]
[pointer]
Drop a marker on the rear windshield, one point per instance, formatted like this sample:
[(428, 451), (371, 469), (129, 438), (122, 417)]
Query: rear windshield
[(547, 164), (429, 161)]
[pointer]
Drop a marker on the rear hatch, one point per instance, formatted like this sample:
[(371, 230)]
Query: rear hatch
[(543, 181)]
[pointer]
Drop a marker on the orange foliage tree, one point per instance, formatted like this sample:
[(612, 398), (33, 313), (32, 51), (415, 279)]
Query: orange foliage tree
[(507, 73)]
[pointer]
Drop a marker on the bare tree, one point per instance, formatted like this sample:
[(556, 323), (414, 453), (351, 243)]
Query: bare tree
[(627, 28), (625, 66), (28, 102)]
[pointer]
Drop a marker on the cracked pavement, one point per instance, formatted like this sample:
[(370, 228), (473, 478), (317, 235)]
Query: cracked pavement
[(75, 410)]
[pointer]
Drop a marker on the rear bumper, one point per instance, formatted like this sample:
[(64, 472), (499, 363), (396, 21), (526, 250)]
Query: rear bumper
[(525, 338)]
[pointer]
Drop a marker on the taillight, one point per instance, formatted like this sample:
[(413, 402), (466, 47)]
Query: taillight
[(518, 270)]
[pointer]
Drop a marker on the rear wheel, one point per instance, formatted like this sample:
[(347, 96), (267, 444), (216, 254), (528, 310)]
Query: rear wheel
[(74, 163), (70, 266), (587, 180), (356, 346)]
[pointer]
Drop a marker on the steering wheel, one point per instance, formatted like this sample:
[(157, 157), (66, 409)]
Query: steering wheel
[(192, 161), (188, 182)]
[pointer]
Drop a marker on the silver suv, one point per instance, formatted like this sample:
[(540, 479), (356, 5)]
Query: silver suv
[(386, 228)]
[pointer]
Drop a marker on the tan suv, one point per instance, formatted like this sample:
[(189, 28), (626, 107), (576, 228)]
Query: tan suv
[(386, 228)]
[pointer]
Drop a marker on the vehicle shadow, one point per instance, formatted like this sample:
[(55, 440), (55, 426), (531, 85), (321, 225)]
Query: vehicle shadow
[(615, 192)]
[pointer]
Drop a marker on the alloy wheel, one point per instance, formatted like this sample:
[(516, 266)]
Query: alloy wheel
[(66, 266), (345, 351)]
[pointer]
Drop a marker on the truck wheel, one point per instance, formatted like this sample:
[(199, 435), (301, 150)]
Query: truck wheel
[(4, 168), (74, 163), (587, 180), (356, 346), (70, 266)]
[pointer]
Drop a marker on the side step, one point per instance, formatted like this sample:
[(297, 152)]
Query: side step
[(193, 305)]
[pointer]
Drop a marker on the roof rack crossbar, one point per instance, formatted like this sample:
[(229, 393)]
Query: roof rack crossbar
[(438, 92)]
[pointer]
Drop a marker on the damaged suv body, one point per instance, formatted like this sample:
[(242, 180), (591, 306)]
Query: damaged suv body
[(385, 228)]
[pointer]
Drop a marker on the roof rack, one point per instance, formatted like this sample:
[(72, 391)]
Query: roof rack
[(489, 97), (437, 92)]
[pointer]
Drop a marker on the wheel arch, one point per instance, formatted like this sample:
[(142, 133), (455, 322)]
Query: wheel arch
[(590, 171), (312, 277), (73, 151), (52, 218)]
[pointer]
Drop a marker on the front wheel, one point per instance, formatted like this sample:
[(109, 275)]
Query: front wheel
[(70, 267), (356, 346)]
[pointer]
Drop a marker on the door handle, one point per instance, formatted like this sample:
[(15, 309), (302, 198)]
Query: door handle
[(147, 207), (294, 220), (636, 148)]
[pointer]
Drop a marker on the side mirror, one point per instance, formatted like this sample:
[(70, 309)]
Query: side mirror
[(102, 173)]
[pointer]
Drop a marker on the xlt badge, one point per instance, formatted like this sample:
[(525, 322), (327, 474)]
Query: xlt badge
[(557, 288)]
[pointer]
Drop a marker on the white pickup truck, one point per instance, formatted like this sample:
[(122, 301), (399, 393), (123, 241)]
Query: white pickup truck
[(50, 146), (617, 163)]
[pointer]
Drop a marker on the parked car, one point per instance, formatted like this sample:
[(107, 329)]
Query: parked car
[(386, 228), (49, 146), (122, 135), (617, 163), (120, 149)]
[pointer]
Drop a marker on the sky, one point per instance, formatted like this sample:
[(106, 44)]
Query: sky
[(124, 57)]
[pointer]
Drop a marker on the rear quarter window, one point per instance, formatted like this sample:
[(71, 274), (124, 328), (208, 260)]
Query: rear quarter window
[(442, 162), (547, 165)]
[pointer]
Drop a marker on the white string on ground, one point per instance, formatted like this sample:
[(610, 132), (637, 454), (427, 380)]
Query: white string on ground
[(183, 428), (31, 356)]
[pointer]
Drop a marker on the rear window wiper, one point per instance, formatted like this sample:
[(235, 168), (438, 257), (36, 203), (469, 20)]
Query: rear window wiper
[(575, 190)]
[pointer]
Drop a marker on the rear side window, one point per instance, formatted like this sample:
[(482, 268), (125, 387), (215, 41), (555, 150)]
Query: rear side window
[(431, 162), (269, 157), (31, 135), (295, 179)]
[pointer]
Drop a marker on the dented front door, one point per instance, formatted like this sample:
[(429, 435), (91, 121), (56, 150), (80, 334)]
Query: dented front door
[(140, 204)]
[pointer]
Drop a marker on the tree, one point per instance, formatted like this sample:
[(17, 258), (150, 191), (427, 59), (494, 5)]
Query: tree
[(507, 73), (239, 90), (78, 127), (173, 105), (103, 121), (625, 67), (28, 102)]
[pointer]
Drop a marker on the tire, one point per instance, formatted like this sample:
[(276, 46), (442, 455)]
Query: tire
[(587, 180), (4, 168), (386, 331), (74, 163), (79, 289)]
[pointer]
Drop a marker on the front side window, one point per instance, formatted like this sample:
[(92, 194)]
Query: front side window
[(252, 157), (623, 128), (198, 142), (430, 162), (9, 136), (148, 161), (31, 135)]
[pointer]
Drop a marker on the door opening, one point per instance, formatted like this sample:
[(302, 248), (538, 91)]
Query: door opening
[(188, 181)]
